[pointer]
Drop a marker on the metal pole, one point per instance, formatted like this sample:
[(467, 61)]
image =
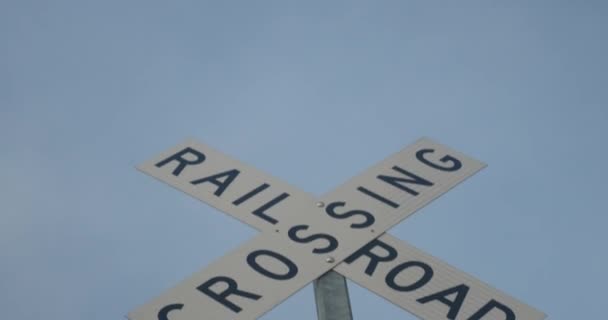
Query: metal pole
[(331, 296)]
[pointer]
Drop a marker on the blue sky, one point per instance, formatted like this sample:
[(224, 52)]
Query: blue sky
[(312, 92)]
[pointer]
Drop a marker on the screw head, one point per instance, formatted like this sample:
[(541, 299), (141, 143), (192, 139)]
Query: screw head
[(320, 204), (329, 259)]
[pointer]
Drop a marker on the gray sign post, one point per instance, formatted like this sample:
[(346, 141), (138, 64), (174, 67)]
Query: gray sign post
[(331, 296)]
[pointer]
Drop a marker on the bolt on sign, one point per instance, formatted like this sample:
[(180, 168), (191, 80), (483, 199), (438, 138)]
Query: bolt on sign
[(303, 237)]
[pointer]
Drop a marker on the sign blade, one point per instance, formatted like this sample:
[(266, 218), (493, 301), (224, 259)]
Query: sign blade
[(418, 282), (398, 186), (244, 192), (244, 284)]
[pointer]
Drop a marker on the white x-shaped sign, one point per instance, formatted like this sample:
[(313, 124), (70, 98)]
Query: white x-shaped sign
[(304, 237)]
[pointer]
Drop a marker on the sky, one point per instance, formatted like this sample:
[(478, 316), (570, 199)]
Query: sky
[(312, 92)]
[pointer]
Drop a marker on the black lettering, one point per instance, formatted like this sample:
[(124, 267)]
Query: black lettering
[(232, 289), (228, 177), (454, 305), (332, 242), (369, 218), (292, 269), (400, 182), (250, 194), (183, 162), (163, 313), (378, 197), (390, 277), (374, 259), (455, 163), (261, 211), (509, 314)]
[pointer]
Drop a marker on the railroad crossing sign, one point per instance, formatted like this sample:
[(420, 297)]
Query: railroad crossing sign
[(304, 237)]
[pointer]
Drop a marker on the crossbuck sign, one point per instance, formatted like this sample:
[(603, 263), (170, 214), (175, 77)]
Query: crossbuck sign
[(304, 237)]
